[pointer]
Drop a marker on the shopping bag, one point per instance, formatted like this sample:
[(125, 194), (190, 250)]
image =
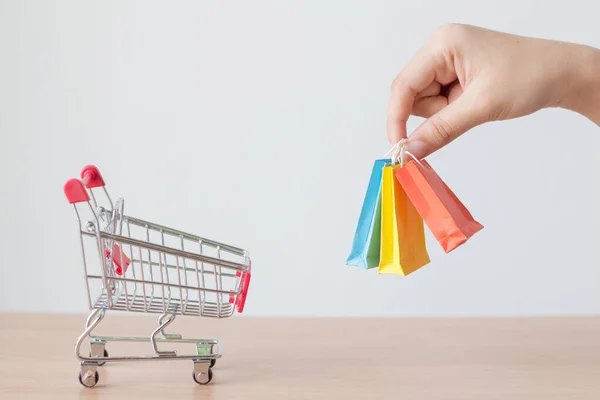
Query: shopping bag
[(120, 259), (366, 243), (403, 248), (447, 218)]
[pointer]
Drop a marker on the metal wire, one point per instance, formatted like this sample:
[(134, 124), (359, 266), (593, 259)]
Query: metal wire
[(140, 270), (175, 276)]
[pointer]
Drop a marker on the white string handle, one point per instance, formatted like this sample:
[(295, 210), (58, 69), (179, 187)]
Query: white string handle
[(398, 151), (394, 152)]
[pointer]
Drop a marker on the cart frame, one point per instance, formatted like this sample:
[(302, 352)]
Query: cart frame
[(137, 270)]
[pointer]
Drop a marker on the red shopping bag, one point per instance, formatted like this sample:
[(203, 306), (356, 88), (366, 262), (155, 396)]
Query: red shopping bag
[(120, 260), (447, 218)]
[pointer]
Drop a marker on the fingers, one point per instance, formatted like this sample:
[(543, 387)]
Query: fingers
[(444, 126), (427, 106), (433, 89), (414, 78), (418, 76)]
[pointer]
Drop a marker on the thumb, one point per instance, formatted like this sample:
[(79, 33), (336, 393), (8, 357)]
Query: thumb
[(445, 126)]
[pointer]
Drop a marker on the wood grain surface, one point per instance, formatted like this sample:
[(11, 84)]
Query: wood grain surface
[(283, 358)]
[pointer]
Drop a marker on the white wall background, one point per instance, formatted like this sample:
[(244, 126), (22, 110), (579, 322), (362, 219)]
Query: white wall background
[(256, 123)]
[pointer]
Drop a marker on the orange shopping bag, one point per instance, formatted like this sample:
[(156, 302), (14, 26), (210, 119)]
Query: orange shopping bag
[(446, 217)]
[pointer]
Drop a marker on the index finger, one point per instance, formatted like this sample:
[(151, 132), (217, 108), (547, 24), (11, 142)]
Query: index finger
[(419, 73)]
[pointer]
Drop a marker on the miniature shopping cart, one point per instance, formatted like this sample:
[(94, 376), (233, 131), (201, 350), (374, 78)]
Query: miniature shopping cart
[(136, 266)]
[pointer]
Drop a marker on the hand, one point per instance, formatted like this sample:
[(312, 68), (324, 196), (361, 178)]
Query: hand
[(466, 76)]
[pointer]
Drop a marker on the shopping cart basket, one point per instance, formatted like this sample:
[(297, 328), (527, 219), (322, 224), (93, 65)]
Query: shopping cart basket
[(133, 265)]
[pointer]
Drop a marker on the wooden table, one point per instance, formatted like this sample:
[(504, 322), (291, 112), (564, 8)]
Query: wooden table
[(282, 359)]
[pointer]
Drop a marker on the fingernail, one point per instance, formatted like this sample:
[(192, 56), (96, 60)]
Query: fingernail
[(417, 148)]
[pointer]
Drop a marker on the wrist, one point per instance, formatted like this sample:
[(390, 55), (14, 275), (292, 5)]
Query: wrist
[(583, 88)]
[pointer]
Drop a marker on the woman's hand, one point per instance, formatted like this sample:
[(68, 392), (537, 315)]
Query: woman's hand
[(466, 76)]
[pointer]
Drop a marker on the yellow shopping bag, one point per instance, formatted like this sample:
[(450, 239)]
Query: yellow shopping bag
[(403, 247)]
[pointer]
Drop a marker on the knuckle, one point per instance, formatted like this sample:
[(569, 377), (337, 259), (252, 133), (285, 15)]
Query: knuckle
[(442, 132), (394, 83), (397, 82), (402, 84), (449, 32), (443, 30)]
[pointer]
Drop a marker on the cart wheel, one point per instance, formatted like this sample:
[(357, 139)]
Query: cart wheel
[(105, 355), (204, 379), (213, 362), (89, 384)]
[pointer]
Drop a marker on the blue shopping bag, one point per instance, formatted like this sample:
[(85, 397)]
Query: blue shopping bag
[(367, 238)]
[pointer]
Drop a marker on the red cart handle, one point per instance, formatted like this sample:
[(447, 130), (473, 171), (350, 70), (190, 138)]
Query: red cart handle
[(75, 191), (91, 177), (240, 299)]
